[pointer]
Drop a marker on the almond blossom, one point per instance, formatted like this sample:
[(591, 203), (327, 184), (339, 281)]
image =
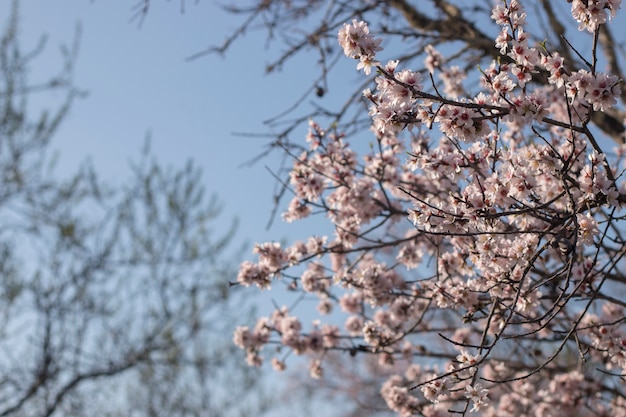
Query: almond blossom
[(476, 247)]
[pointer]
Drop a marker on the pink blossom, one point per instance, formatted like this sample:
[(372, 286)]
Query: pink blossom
[(477, 395), (476, 255), (356, 41)]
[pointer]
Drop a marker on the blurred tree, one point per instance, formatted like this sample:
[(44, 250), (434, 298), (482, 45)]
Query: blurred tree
[(114, 300)]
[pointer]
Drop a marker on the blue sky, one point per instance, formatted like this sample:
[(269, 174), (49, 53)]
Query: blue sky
[(139, 81)]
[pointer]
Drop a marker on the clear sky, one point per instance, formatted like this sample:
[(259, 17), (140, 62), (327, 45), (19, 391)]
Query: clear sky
[(139, 81)]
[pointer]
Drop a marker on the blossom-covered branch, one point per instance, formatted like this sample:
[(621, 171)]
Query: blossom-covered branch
[(478, 250)]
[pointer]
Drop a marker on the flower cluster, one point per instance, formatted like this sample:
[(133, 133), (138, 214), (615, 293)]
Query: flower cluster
[(357, 43), (476, 248), (590, 14)]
